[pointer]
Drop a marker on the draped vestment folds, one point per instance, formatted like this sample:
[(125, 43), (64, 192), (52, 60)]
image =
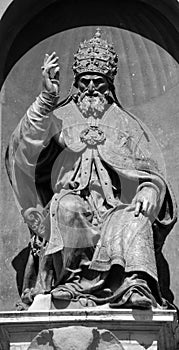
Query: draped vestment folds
[(85, 173)]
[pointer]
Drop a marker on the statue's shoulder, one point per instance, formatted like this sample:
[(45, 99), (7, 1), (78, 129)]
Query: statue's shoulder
[(62, 112), (69, 114), (125, 114), (121, 115), (131, 119)]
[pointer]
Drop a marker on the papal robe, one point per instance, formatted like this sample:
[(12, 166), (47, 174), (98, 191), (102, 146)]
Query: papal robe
[(83, 173)]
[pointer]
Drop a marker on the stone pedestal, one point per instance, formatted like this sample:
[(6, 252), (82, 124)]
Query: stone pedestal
[(136, 329)]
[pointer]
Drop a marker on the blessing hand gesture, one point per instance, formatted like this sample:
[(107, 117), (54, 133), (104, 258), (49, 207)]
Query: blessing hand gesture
[(51, 73)]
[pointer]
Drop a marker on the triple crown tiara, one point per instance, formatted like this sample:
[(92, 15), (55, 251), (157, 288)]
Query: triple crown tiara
[(95, 56)]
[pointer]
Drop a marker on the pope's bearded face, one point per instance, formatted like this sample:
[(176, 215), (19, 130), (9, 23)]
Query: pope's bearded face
[(93, 92)]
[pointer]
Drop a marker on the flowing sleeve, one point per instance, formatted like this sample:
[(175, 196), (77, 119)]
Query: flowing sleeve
[(31, 136), (149, 160)]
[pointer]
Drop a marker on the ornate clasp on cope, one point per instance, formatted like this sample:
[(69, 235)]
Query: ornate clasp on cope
[(92, 136)]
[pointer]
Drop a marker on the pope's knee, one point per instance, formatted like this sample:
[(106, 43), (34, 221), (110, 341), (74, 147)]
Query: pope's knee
[(70, 205)]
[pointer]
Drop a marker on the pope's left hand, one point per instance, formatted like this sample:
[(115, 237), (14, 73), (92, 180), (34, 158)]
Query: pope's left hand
[(145, 201)]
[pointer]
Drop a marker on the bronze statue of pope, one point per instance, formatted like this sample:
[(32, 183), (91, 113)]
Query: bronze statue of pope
[(91, 186)]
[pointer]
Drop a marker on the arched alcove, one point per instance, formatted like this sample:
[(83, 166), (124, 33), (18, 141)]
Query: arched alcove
[(145, 39), (24, 24)]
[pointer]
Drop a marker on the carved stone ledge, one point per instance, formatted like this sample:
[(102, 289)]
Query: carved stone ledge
[(136, 329)]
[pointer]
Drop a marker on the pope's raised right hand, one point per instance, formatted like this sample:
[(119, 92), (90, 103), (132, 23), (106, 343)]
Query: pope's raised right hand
[(51, 73)]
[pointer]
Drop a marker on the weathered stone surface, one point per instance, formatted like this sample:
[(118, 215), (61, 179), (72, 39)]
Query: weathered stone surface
[(160, 112), (4, 339), (75, 338), (134, 329)]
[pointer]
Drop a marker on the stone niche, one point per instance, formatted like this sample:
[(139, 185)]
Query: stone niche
[(145, 35), (148, 86)]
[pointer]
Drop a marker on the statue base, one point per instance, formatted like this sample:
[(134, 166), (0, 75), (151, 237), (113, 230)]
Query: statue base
[(135, 329)]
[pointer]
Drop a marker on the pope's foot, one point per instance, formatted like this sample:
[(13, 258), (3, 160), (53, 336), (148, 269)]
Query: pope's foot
[(61, 294), (138, 301)]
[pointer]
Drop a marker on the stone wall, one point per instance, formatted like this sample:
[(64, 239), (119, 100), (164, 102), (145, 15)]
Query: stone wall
[(157, 106)]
